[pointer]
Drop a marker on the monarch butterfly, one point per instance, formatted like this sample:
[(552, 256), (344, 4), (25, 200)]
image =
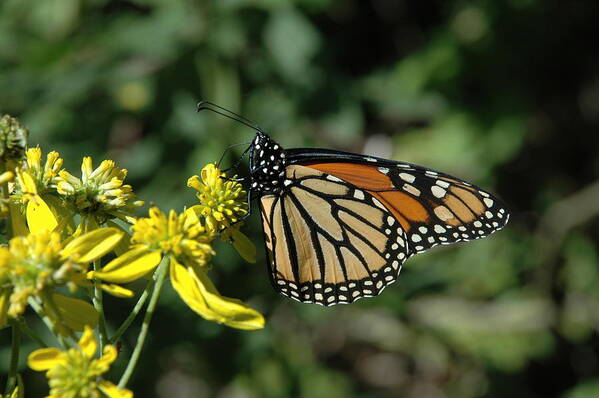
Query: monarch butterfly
[(338, 226)]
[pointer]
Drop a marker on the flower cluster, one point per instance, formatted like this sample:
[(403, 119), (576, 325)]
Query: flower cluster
[(60, 228), (75, 372)]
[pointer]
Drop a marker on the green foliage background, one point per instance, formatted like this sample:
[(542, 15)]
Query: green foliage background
[(502, 93)]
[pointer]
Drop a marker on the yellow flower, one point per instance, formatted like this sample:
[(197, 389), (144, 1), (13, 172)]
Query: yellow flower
[(178, 236), (75, 373), (33, 265), (44, 177), (186, 244), (223, 202), (13, 141), (100, 193)]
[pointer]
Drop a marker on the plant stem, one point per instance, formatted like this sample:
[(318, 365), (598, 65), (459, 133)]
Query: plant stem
[(31, 334), (99, 305), (160, 276), (14, 359), (131, 317)]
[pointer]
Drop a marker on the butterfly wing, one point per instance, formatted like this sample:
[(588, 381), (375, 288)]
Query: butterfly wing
[(343, 224), (328, 241)]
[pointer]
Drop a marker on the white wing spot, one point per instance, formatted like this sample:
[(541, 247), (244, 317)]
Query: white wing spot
[(379, 204), (431, 173), (407, 177), (411, 189), (488, 214), (359, 195), (384, 170), (442, 184), (371, 160), (394, 246), (438, 191), (478, 224), (423, 229), (416, 238), (333, 178), (390, 220), (488, 202), (483, 193), (439, 229), (431, 239)]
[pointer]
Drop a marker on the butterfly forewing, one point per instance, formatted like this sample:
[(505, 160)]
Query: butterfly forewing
[(433, 208)]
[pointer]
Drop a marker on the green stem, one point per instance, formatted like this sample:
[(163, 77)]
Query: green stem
[(131, 317), (160, 276), (14, 359), (99, 305), (31, 334)]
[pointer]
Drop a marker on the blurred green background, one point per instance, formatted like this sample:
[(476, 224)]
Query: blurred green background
[(502, 93)]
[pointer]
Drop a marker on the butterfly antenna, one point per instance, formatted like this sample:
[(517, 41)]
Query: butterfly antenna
[(211, 106)]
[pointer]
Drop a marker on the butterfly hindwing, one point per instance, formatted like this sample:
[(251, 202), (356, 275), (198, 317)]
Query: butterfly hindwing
[(328, 241)]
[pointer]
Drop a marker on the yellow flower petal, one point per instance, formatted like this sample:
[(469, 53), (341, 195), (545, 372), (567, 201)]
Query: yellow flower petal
[(108, 356), (113, 391), (45, 358), (87, 342), (39, 216), (76, 313), (116, 290), (93, 245), (28, 182), (130, 266), (198, 292), (244, 246)]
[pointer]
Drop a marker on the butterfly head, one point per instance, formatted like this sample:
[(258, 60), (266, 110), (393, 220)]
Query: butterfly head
[(267, 165)]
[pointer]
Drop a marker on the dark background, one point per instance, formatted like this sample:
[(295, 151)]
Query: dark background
[(502, 93)]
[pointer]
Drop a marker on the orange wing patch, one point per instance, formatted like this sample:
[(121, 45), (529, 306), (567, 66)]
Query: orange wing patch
[(362, 176), (403, 207)]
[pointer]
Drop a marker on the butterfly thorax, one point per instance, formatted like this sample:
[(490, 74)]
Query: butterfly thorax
[(267, 165)]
